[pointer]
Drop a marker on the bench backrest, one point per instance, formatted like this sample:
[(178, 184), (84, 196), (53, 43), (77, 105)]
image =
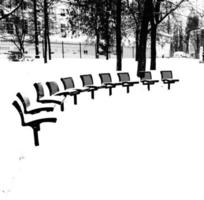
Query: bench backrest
[(86, 79), (18, 108), (52, 87), (24, 100), (68, 82), (39, 90), (166, 74), (105, 78), (146, 75), (124, 76)]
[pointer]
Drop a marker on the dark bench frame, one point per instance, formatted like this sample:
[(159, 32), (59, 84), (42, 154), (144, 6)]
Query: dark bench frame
[(35, 124)]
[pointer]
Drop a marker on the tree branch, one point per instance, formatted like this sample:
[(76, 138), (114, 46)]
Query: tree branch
[(11, 12), (172, 10)]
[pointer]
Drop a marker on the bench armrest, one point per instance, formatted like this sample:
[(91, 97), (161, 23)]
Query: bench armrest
[(50, 101), (37, 110), (42, 120)]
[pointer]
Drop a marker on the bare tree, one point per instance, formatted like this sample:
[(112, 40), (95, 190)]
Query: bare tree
[(158, 16), (16, 19), (151, 14)]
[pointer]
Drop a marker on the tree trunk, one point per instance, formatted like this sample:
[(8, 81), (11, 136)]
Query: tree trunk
[(118, 37), (107, 39), (137, 53), (143, 36), (153, 46), (45, 31), (49, 46), (36, 30), (187, 42), (48, 36), (45, 48), (154, 22), (107, 36), (97, 43), (197, 50)]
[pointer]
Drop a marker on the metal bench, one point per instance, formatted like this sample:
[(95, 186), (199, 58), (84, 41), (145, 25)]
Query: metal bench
[(87, 82), (54, 90), (124, 78), (51, 99), (167, 78), (146, 79), (34, 124), (106, 80), (26, 104)]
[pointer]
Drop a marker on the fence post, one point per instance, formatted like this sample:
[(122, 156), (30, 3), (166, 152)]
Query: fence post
[(62, 49), (80, 54)]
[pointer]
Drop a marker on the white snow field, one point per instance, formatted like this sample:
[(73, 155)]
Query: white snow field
[(145, 145)]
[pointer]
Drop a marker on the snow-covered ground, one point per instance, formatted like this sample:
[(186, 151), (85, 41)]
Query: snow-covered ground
[(142, 145)]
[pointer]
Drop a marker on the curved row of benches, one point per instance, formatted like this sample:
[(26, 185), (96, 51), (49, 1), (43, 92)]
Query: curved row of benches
[(57, 97)]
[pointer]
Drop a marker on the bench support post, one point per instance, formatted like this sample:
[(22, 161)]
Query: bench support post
[(110, 91), (128, 89), (35, 132), (148, 86), (169, 86), (92, 94), (62, 106), (75, 99)]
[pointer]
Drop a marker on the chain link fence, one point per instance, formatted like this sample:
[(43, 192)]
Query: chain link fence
[(66, 50)]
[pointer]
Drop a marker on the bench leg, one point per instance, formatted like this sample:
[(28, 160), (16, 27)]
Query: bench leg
[(75, 99), (128, 89), (92, 94), (110, 91), (148, 87), (169, 86), (62, 106), (35, 133)]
